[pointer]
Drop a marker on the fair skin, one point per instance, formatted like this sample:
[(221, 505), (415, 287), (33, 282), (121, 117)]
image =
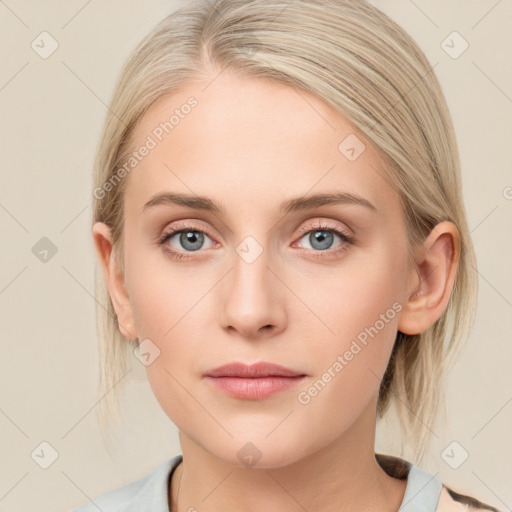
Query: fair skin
[(250, 145)]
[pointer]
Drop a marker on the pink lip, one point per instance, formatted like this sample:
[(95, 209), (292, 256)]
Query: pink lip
[(253, 382), (262, 369)]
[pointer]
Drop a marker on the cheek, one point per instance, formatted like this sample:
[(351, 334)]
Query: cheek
[(162, 293), (354, 296), (359, 310), (167, 310), (351, 361)]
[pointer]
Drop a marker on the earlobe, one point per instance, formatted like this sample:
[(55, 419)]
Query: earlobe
[(436, 269), (114, 277)]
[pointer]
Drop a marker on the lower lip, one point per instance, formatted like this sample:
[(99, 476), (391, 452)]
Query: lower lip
[(254, 388)]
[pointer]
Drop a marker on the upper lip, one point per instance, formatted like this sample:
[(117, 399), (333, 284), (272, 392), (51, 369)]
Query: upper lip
[(262, 369)]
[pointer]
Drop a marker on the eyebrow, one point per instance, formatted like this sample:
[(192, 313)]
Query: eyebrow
[(294, 204)]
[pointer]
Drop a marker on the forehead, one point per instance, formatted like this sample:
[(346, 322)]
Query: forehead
[(253, 137)]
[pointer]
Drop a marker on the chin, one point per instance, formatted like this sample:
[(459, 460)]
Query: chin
[(258, 452)]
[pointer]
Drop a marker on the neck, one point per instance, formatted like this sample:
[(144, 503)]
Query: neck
[(341, 476)]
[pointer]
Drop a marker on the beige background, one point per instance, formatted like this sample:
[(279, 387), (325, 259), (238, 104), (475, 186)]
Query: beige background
[(52, 111)]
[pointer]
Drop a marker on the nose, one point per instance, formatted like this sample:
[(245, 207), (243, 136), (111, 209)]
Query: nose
[(253, 302)]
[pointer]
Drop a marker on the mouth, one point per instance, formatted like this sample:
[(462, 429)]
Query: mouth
[(253, 382)]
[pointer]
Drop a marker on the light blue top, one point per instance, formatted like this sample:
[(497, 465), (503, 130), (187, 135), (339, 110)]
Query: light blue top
[(149, 494)]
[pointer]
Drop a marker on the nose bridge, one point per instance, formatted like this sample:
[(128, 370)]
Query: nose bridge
[(250, 272), (250, 300)]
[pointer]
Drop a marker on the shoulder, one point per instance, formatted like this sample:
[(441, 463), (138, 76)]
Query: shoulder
[(452, 501), (426, 492), (149, 492)]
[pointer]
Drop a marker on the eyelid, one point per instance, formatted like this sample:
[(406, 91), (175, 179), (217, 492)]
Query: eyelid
[(318, 225), (322, 224), (180, 226)]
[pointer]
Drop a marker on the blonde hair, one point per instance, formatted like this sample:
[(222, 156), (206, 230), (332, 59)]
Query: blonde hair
[(361, 62)]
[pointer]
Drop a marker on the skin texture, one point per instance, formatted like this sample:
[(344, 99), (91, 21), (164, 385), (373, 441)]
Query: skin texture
[(251, 144)]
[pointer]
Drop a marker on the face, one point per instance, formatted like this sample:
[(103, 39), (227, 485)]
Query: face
[(313, 286)]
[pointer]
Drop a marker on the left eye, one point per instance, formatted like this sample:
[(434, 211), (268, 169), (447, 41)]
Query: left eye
[(322, 239)]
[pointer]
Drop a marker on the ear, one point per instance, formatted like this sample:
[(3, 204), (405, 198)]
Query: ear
[(114, 277), (434, 275)]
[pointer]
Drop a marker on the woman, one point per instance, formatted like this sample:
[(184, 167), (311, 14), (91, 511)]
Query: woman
[(279, 221)]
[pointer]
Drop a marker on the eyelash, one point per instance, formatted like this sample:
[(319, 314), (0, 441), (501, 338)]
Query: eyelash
[(308, 228)]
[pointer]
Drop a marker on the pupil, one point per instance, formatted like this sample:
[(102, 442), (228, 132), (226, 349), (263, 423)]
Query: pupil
[(191, 240), (323, 239)]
